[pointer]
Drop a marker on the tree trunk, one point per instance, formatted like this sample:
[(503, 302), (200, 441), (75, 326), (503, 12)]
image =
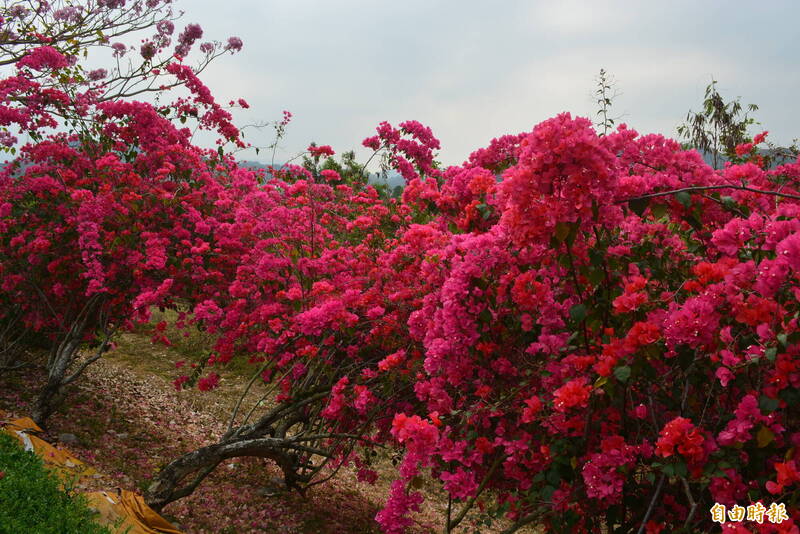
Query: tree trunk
[(49, 396), (46, 403), (168, 484), (265, 438)]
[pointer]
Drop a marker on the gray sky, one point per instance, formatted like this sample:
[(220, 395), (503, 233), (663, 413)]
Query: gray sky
[(474, 70)]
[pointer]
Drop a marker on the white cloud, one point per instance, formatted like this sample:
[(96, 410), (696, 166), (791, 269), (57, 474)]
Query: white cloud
[(571, 17), (474, 70)]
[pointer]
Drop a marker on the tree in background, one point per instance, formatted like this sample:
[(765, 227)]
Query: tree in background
[(719, 127)]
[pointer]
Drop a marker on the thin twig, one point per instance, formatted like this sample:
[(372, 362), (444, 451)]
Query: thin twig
[(471, 502), (245, 392), (692, 502), (652, 504), (709, 188)]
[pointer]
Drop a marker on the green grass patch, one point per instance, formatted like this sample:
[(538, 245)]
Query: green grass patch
[(30, 498), (188, 344)]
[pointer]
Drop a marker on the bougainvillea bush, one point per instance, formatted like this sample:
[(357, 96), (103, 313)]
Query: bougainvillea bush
[(609, 337), (304, 310), (109, 206), (573, 331), (93, 237)]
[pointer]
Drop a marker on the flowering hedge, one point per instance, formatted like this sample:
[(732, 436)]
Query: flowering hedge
[(599, 350), (303, 308), (587, 333), (111, 213), (599, 332)]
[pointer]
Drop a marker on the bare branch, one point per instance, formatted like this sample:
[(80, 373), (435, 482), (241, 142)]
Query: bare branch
[(709, 188)]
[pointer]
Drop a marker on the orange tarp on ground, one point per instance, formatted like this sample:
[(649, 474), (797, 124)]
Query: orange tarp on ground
[(128, 512), (122, 509), (68, 468)]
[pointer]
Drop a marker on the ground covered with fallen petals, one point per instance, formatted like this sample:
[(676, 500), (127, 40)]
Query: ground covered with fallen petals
[(129, 420)]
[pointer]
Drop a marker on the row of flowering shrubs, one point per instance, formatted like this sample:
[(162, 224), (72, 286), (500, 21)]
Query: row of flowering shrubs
[(585, 333), (600, 355)]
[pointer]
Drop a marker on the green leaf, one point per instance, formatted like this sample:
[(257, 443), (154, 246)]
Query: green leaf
[(600, 382), (767, 404), (561, 231), (622, 373), (485, 210), (658, 210), (578, 313), (684, 198), (638, 205), (790, 395), (771, 353), (681, 470), (596, 257), (595, 276), (764, 437)]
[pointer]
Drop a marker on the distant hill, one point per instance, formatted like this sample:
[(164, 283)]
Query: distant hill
[(780, 156), (393, 178)]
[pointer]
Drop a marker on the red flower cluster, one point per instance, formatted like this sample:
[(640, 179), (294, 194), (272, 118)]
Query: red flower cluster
[(680, 436)]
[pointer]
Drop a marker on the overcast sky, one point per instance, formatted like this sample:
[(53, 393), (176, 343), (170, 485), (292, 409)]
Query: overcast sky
[(473, 70)]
